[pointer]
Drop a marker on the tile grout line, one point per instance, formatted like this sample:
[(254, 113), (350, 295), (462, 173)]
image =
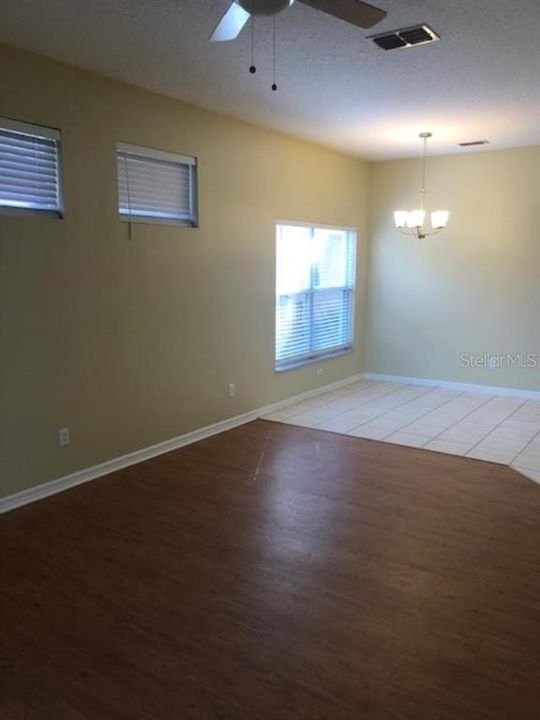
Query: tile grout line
[(429, 391), (529, 443), (386, 412), (390, 392), (524, 448), (369, 387), (457, 421), (433, 389), (492, 397), (494, 428), (462, 394)]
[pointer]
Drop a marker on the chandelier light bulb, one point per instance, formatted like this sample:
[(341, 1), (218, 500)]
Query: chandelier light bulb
[(400, 218), (439, 219), (416, 218)]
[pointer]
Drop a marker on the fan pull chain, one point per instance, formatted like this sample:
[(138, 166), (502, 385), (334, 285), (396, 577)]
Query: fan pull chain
[(252, 68), (274, 84)]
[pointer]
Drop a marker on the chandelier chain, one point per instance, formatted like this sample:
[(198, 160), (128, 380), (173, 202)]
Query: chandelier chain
[(423, 183)]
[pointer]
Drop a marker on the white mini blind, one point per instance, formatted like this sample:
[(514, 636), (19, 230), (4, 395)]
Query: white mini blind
[(156, 185), (315, 280), (29, 167)]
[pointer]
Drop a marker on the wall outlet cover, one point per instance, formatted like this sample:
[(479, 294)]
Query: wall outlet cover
[(63, 437)]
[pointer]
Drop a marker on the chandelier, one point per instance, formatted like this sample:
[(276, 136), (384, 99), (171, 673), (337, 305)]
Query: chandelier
[(412, 222)]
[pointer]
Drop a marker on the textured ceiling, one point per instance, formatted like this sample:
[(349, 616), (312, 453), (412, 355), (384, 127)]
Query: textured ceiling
[(335, 87)]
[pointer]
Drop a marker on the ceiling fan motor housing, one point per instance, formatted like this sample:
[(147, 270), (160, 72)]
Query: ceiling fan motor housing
[(264, 7)]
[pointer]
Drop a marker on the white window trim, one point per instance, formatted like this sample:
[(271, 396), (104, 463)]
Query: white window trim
[(155, 154), (25, 128), (49, 133), (311, 358), (322, 226)]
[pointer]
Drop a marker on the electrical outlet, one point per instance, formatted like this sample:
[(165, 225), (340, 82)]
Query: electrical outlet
[(231, 390), (63, 437), (319, 371)]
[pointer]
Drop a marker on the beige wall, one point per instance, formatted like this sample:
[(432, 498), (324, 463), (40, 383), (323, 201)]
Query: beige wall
[(131, 342), (474, 288)]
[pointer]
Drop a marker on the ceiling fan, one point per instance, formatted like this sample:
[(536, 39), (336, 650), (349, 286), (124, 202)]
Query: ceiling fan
[(355, 12)]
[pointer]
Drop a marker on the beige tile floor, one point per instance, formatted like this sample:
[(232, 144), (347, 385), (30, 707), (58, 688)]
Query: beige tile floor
[(501, 429)]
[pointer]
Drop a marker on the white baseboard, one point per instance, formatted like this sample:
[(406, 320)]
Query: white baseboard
[(458, 387), (38, 492)]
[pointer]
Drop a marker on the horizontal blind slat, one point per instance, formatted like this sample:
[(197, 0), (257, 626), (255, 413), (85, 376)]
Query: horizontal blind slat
[(316, 320), (27, 180), (22, 170), (19, 140), (42, 154), (32, 195), (29, 171), (140, 198), (151, 187), (161, 214), (154, 195)]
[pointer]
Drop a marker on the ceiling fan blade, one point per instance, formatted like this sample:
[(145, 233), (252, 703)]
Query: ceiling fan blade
[(352, 11), (231, 24)]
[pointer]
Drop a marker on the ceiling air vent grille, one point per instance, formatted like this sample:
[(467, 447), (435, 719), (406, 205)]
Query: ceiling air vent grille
[(472, 143), (408, 37)]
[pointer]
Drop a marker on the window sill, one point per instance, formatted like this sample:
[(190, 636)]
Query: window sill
[(6, 210), (314, 359), (149, 220)]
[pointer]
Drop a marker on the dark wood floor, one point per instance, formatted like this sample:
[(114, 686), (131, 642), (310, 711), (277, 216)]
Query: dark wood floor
[(276, 572)]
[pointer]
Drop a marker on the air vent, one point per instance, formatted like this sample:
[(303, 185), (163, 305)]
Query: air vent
[(408, 37), (472, 143)]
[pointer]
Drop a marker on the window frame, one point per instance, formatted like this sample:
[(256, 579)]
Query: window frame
[(316, 356), (165, 156), (45, 132)]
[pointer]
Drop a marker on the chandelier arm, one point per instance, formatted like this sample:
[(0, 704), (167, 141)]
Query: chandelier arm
[(433, 232), (419, 232), (411, 232), (428, 233)]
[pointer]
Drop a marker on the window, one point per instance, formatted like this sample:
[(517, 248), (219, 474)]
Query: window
[(315, 275), (29, 168), (156, 186)]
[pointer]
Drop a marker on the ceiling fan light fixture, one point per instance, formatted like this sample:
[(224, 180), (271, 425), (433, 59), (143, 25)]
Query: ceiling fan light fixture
[(264, 7), (355, 12)]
